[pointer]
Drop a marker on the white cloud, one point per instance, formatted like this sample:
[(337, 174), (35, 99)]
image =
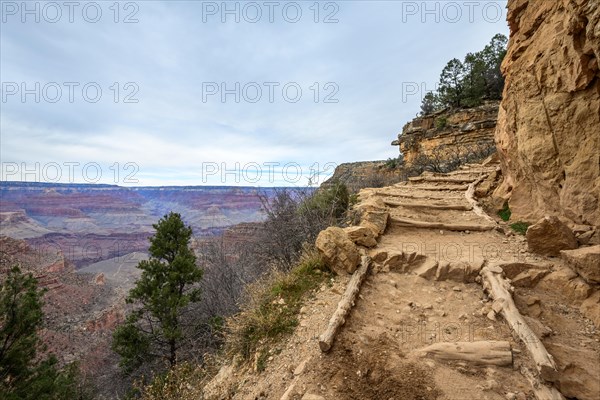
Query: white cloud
[(170, 132)]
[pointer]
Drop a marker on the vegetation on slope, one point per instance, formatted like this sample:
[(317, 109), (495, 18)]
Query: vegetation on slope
[(273, 305), (269, 278), (469, 82), (156, 328), (24, 372)]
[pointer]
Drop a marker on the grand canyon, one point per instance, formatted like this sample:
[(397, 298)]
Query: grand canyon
[(466, 266), (84, 241)]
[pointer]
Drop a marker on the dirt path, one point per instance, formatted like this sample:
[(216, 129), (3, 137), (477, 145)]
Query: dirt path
[(425, 289)]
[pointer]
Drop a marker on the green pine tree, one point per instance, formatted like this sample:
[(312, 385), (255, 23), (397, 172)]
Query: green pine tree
[(451, 86), (474, 83), (168, 284), (430, 103), (469, 83), (23, 374), (493, 54)]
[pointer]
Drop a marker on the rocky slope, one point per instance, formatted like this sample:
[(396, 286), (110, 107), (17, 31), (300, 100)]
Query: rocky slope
[(80, 310), (548, 131), (361, 174), (426, 291), (446, 132)]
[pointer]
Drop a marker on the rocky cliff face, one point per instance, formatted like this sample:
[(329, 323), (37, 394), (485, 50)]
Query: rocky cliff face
[(442, 133), (361, 174), (548, 133)]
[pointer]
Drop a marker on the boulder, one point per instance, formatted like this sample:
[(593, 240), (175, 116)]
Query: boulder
[(339, 252), (369, 201), (529, 278), (585, 237), (459, 271), (549, 236), (376, 221), (395, 262), (585, 261), (579, 371), (427, 269), (567, 283), (514, 269), (361, 236)]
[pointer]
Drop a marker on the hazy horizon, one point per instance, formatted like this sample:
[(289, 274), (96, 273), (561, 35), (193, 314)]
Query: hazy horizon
[(191, 93)]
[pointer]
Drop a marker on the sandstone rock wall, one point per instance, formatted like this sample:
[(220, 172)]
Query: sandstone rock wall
[(455, 129), (548, 132)]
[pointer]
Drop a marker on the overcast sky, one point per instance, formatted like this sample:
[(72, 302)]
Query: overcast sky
[(317, 84)]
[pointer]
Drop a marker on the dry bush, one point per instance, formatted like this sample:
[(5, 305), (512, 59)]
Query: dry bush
[(272, 304), (183, 382), (294, 217), (267, 278), (446, 158)]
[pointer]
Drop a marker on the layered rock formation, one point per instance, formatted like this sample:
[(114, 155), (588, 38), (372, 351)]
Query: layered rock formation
[(79, 315), (90, 223), (548, 133), (361, 174), (453, 130)]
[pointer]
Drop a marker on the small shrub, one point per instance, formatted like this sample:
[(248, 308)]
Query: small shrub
[(392, 163), (273, 306), (505, 213), (520, 227), (261, 361), (183, 382), (441, 123), (328, 201)]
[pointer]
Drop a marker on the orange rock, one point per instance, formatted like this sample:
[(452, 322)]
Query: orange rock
[(549, 118), (338, 251)]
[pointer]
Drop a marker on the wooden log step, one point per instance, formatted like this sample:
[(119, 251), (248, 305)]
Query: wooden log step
[(443, 179), (400, 221), (540, 390), (433, 206), (470, 196), (424, 197), (499, 289), (461, 188), (345, 305), (486, 352)]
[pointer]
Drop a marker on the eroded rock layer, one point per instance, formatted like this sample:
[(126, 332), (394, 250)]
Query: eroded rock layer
[(446, 132), (548, 132)]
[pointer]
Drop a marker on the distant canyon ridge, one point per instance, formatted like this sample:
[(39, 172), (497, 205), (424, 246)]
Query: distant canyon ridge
[(91, 223)]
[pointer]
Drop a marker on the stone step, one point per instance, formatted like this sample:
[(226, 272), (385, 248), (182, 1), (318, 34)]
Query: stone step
[(409, 222), (432, 205), (408, 195), (460, 188), (443, 179)]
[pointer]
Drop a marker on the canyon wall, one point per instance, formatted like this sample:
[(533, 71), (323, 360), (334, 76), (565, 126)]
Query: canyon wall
[(548, 133), (446, 132), (361, 174)]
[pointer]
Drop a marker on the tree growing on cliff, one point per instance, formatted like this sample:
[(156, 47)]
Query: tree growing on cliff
[(493, 54), (167, 286), (474, 83), (469, 82), (451, 85), (430, 103), (24, 374)]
